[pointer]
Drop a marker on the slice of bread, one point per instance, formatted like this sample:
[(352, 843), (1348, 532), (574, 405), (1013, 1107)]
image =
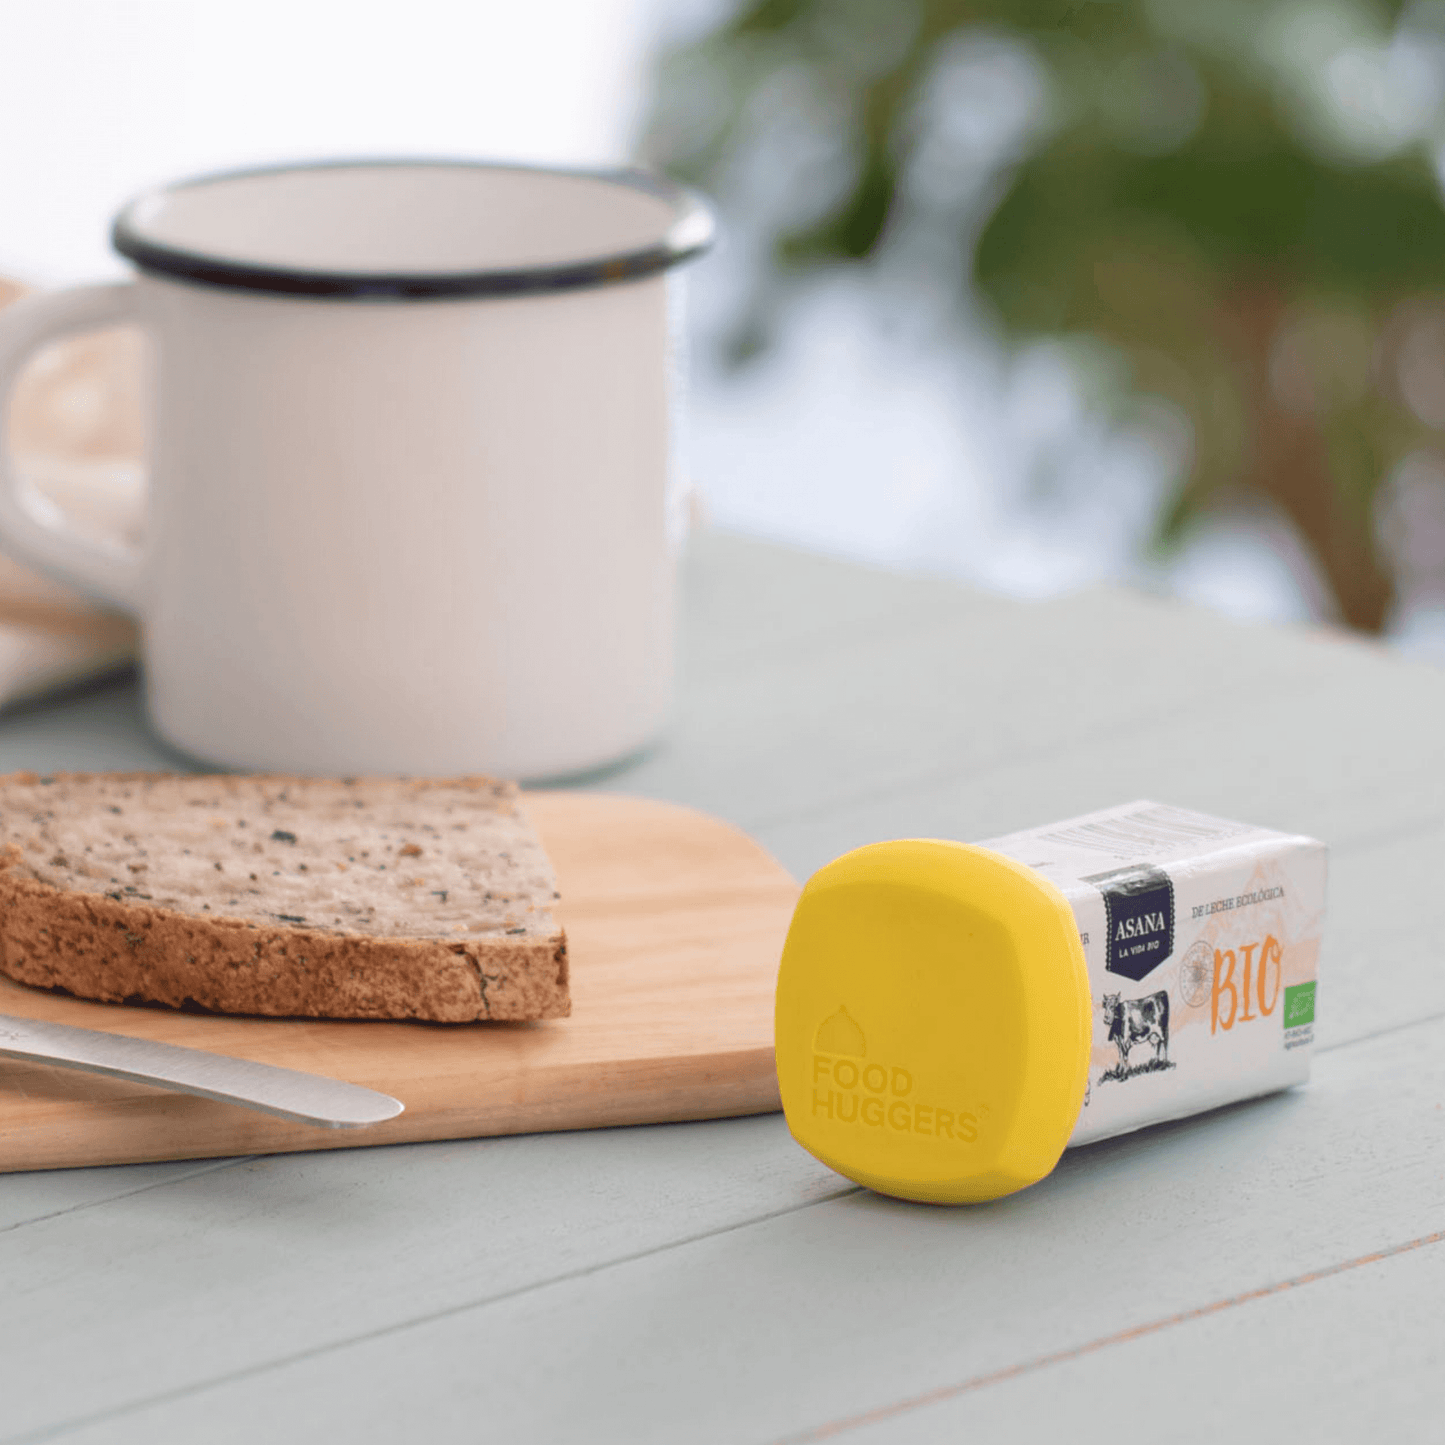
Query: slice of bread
[(376, 898)]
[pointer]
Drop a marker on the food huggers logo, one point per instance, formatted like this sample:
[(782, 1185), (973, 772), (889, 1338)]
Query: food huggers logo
[(848, 1088)]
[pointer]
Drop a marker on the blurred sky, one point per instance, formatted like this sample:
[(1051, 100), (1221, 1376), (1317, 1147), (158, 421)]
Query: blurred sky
[(859, 435), (101, 98)]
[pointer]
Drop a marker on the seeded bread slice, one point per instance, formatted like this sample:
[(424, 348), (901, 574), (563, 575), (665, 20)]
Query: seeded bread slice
[(374, 898)]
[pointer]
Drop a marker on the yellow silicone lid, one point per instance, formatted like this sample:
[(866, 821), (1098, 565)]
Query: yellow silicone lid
[(933, 1021)]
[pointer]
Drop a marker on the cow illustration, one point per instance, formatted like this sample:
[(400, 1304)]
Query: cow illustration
[(1138, 1021)]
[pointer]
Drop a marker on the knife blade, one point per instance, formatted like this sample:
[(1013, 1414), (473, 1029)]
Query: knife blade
[(287, 1093)]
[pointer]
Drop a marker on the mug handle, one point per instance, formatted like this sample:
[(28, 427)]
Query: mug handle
[(32, 528)]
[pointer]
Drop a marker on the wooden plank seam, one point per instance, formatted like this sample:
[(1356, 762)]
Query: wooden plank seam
[(263, 1367), (1120, 1337)]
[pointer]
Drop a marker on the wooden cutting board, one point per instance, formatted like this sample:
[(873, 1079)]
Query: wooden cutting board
[(675, 922)]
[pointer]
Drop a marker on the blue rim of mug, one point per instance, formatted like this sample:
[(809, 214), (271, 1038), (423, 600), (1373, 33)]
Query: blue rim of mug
[(688, 234)]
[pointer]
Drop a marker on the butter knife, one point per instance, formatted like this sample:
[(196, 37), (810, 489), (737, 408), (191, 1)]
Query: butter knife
[(287, 1093)]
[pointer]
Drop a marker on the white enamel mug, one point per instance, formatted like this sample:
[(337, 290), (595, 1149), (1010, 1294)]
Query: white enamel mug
[(409, 501)]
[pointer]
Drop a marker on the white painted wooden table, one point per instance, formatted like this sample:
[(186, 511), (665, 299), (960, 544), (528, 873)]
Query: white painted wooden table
[(1272, 1271)]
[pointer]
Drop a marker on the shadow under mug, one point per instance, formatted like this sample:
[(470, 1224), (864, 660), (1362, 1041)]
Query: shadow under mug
[(410, 503)]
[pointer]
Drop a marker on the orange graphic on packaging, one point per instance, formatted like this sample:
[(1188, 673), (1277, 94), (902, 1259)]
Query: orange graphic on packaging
[(1252, 986)]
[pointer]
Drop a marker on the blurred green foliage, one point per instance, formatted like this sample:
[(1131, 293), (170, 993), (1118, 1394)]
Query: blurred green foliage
[(1239, 199)]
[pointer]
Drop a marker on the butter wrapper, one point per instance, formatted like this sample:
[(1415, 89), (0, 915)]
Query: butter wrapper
[(1202, 939)]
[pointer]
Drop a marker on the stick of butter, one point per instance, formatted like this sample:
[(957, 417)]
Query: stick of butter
[(950, 1016)]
